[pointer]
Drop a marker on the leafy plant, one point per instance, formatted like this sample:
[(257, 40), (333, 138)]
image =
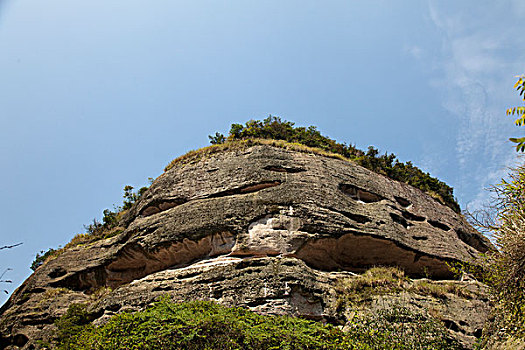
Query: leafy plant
[(41, 257), (505, 270), (206, 325), (111, 218), (97, 230), (94, 227), (216, 139), (71, 324), (520, 113)]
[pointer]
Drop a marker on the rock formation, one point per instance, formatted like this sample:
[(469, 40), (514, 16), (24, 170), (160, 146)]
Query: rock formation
[(270, 229)]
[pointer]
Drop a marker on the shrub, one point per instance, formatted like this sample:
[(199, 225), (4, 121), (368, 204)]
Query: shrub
[(71, 325), (41, 257), (111, 218), (195, 325), (93, 228), (505, 270), (206, 325), (97, 230)]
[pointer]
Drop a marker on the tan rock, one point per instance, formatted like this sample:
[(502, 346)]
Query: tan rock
[(264, 227)]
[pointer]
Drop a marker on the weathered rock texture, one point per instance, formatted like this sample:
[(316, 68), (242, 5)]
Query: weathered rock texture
[(266, 228)]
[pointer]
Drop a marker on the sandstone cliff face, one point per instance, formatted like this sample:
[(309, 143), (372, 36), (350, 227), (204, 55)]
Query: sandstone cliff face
[(266, 228)]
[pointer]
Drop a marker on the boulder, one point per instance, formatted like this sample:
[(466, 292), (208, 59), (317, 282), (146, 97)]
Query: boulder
[(262, 227)]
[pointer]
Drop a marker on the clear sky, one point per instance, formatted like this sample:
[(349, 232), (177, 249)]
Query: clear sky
[(97, 94)]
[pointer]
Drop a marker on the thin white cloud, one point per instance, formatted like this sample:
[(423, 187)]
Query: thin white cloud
[(479, 55), (518, 6), (415, 51), (475, 54), (493, 177)]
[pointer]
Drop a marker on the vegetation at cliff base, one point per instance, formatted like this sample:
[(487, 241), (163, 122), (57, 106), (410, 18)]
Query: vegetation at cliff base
[(206, 325), (273, 128), (504, 270)]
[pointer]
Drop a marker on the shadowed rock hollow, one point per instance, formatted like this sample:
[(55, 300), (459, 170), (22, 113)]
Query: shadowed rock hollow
[(262, 227)]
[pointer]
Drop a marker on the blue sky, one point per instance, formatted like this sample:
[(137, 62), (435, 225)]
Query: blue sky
[(96, 95)]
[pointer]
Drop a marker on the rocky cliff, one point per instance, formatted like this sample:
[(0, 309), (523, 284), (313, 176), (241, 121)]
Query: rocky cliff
[(271, 229)]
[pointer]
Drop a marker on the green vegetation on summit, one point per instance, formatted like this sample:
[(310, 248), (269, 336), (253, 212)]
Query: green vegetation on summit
[(273, 128)]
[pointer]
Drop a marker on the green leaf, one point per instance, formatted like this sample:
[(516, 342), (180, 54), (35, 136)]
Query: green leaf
[(520, 121)]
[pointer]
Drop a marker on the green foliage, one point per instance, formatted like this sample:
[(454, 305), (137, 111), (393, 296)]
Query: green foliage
[(72, 324), (109, 227), (198, 325), (473, 269), (94, 228), (41, 257), (505, 270), (520, 113), (388, 165), (276, 129), (217, 139), (111, 218), (130, 197), (142, 190), (206, 325)]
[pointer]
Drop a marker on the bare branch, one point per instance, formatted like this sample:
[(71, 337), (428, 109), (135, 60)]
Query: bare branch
[(3, 273), (11, 246)]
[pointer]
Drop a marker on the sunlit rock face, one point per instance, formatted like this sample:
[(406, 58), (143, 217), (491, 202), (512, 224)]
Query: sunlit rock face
[(273, 229)]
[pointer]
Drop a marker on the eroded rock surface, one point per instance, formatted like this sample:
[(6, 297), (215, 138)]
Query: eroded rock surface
[(263, 228)]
